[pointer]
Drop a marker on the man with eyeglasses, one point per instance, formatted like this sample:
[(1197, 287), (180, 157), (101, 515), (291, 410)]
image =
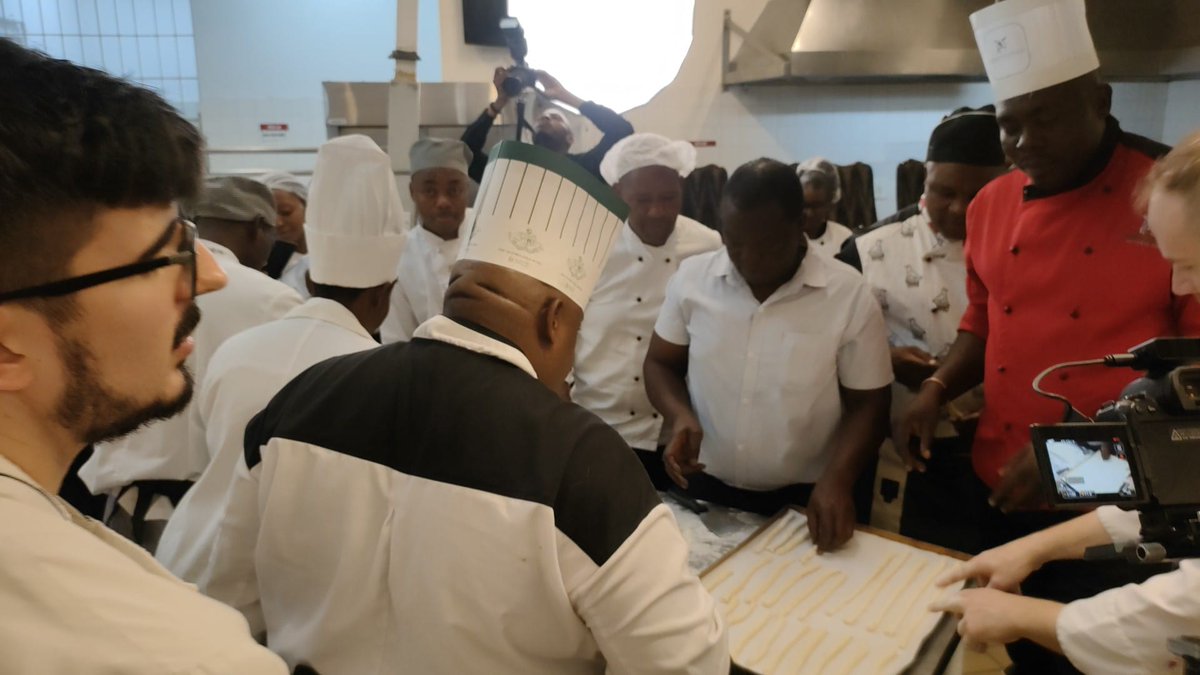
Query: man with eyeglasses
[(439, 189), (98, 277), (145, 474)]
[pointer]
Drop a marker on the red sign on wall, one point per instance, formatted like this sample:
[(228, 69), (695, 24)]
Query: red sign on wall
[(273, 129)]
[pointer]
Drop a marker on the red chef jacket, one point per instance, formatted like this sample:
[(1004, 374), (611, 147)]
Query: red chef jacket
[(1054, 278)]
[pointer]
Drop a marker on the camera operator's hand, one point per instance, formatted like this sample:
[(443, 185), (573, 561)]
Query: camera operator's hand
[(912, 365), (1020, 487), (1002, 568), (918, 424), (498, 79), (554, 89)]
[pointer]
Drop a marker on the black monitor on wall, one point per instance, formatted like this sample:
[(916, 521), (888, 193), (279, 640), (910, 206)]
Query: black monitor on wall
[(481, 22)]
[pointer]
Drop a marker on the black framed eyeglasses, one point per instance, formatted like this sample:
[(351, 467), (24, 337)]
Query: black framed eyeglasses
[(186, 257)]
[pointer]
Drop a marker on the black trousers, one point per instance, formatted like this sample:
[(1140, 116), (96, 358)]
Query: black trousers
[(769, 502), (945, 504)]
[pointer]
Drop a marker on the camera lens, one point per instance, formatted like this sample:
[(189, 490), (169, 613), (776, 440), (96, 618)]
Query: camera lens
[(512, 86)]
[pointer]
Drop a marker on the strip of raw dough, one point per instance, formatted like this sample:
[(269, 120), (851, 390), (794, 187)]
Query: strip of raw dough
[(766, 644), (855, 660), (735, 618), (832, 655), (804, 572), (715, 580), (916, 602), (770, 533), (828, 592), (862, 588), (797, 532), (796, 541), (736, 590), (903, 584), (882, 584), (749, 636), (773, 667), (809, 591), (818, 637), (884, 659), (783, 565)]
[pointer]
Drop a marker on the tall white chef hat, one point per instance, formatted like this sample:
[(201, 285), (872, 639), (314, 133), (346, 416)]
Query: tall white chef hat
[(641, 150), (355, 220), (1029, 45), (541, 214)]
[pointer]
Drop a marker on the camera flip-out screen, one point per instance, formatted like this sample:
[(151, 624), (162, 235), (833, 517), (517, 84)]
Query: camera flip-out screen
[(1087, 463)]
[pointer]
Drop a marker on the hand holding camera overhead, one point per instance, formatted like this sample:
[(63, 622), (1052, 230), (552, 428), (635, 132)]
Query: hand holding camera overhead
[(551, 128)]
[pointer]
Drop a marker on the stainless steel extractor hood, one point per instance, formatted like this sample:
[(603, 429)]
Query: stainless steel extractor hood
[(921, 40)]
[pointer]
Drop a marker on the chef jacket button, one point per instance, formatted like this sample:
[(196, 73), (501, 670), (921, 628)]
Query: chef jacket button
[(1002, 369), (1015, 249), (1087, 250), (639, 258), (1064, 377), (639, 338), (668, 260), (1075, 314), (1008, 309), (1007, 426), (654, 415), (637, 378), (1107, 189), (632, 413), (639, 299)]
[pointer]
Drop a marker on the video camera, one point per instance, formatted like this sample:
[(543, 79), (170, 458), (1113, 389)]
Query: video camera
[(1142, 451), (520, 77)]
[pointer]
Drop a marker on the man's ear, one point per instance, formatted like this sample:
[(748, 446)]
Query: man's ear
[(16, 369), (550, 321)]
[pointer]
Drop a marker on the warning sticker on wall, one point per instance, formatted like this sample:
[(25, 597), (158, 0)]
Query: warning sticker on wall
[(273, 129)]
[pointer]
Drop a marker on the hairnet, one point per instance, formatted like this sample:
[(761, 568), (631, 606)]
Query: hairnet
[(641, 150), (819, 168), (281, 180)]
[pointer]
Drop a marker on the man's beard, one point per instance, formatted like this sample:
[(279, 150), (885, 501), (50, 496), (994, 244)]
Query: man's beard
[(94, 412), (550, 141)]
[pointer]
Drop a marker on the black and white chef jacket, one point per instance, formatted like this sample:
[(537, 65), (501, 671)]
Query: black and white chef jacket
[(618, 323), (459, 518)]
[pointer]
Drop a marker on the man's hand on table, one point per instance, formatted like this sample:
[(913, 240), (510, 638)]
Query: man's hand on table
[(830, 514), (682, 455)]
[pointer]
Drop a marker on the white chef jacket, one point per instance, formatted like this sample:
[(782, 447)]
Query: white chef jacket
[(173, 449), (763, 378), (243, 375), (377, 537), (79, 598), (1125, 630), (920, 281), (295, 272), (830, 243), (421, 281), (623, 307)]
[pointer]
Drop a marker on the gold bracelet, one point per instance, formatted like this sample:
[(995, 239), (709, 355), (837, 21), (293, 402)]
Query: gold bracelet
[(936, 380)]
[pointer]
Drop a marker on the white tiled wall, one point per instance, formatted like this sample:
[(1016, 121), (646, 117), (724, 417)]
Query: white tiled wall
[(148, 41)]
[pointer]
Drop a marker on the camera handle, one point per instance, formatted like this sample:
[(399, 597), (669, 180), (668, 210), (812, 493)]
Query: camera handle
[(522, 123)]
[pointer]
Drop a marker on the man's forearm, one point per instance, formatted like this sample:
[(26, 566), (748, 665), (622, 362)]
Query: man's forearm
[(667, 390), (860, 432), (962, 369), (609, 122)]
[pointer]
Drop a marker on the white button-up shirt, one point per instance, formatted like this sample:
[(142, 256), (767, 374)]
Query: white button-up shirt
[(1125, 630), (617, 325), (242, 377), (79, 598), (829, 243), (764, 377), (172, 449), (421, 281)]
